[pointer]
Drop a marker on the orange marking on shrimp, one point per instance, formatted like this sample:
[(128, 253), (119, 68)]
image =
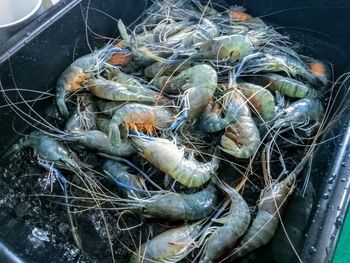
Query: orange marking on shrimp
[(77, 82), (239, 16), (254, 100), (120, 59), (317, 69), (256, 103), (144, 122)]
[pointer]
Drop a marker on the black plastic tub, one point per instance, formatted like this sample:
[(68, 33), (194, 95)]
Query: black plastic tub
[(34, 58)]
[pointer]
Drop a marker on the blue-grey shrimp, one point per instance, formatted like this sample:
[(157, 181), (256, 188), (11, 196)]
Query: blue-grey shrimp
[(169, 246), (272, 60), (166, 29), (167, 157), (273, 199), (175, 206), (129, 185), (130, 82), (265, 224), (232, 47), (76, 75), (115, 91), (303, 114), (198, 85), (260, 100), (223, 238), (48, 148), (195, 34), (98, 141)]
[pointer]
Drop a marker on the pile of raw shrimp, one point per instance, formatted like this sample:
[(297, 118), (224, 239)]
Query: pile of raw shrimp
[(187, 91)]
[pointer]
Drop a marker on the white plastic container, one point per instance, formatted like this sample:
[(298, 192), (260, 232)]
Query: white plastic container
[(15, 13)]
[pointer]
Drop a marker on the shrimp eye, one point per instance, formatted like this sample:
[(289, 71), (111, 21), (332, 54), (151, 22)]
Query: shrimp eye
[(144, 210), (197, 48)]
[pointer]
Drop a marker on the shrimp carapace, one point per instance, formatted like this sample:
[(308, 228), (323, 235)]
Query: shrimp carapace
[(120, 59)]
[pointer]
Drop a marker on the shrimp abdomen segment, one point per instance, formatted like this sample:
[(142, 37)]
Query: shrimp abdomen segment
[(261, 99), (193, 173)]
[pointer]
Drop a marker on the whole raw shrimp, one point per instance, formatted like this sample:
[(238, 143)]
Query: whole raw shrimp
[(197, 85), (287, 86), (167, 157), (234, 106), (233, 48), (48, 148), (169, 246), (115, 91), (273, 60), (234, 225), (265, 224), (241, 138), (304, 114), (176, 206), (76, 75), (130, 82), (192, 35), (272, 201), (98, 141), (128, 184), (139, 117), (166, 29)]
